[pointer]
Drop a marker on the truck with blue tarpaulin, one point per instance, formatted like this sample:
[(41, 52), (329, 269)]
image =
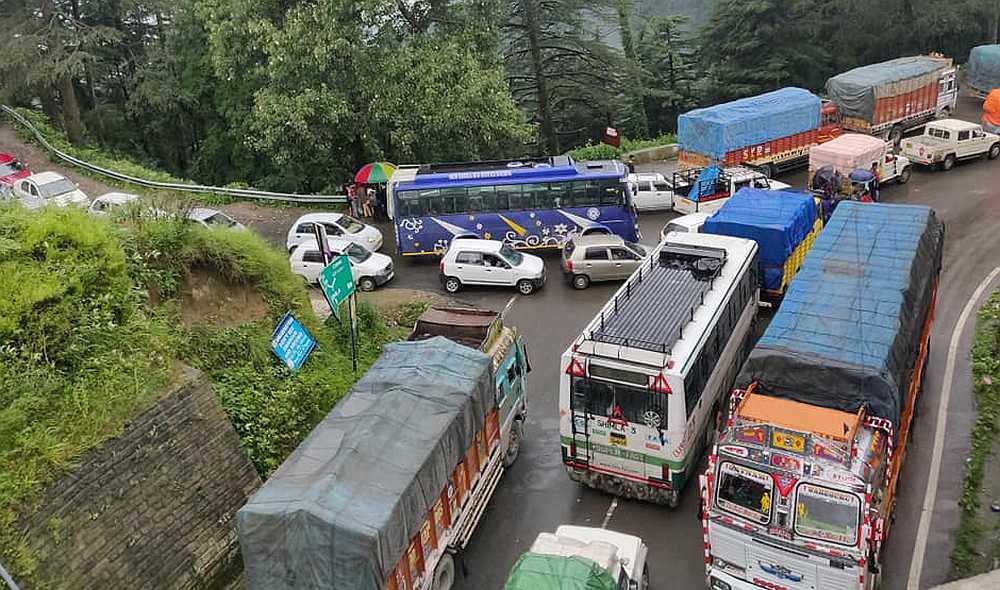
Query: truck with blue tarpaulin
[(783, 223), (773, 130), (982, 72), (801, 484)]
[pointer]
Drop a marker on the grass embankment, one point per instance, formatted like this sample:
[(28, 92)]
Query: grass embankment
[(603, 151), (977, 543), (92, 328)]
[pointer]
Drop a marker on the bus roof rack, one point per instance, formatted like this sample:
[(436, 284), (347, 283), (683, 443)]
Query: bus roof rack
[(442, 167)]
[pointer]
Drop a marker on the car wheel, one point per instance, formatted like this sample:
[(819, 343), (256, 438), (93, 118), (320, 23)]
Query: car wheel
[(525, 287), (444, 573), (452, 285), (366, 284), (949, 162), (514, 443), (581, 282), (904, 176), (994, 152)]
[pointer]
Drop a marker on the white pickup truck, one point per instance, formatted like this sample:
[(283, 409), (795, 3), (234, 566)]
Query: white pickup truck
[(694, 192), (578, 557), (947, 141)]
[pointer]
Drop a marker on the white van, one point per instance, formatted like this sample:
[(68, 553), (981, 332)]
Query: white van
[(651, 192), (685, 224)]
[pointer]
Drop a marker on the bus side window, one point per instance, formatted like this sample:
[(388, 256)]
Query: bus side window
[(508, 197)]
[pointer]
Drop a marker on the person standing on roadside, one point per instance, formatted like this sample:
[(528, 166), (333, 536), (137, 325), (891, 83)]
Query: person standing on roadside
[(630, 164), (368, 200), (352, 199)]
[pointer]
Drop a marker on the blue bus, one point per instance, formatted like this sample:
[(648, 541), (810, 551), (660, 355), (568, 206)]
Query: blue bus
[(529, 203)]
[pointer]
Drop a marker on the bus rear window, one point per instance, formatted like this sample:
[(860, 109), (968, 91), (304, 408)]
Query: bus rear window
[(635, 405), (745, 492), (827, 514)]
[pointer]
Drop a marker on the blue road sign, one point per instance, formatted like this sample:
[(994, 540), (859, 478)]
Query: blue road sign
[(291, 342)]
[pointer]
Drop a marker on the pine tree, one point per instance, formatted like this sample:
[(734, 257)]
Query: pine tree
[(669, 72)]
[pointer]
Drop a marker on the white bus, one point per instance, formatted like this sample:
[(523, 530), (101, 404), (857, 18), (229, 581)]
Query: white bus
[(641, 387)]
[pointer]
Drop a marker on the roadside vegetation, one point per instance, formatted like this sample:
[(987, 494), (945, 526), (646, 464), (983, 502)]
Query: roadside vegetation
[(977, 541), (603, 151), (94, 327)]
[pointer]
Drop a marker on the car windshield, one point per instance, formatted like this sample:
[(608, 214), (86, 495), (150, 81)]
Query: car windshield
[(514, 257), (745, 492), (220, 219), (350, 225), (827, 514), (8, 168), (640, 250), (358, 254), (56, 188)]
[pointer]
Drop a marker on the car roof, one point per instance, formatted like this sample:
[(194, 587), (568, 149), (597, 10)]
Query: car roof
[(477, 244), (327, 216), (690, 219), (6, 158), (202, 213), (44, 177), (598, 240), (953, 124), (117, 198), (646, 175)]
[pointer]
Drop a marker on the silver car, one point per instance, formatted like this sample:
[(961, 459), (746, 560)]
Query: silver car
[(600, 258)]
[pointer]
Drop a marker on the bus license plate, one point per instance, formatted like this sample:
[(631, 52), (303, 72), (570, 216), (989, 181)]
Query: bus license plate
[(618, 439)]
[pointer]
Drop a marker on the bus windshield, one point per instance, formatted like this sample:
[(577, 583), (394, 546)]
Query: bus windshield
[(745, 492), (633, 404), (827, 514)]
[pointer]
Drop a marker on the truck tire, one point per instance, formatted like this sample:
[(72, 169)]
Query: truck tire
[(994, 152), (904, 176), (444, 573), (896, 136), (949, 162), (514, 443), (767, 170)]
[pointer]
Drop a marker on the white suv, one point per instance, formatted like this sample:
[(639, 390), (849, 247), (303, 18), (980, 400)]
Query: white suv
[(369, 269), (490, 262), (342, 227)]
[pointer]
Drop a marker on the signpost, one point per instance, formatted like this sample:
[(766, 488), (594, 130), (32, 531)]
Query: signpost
[(291, 342), (337, 283)]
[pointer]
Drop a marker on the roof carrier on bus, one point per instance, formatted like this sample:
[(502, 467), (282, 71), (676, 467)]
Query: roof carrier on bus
[(661, 297), (526, 162)]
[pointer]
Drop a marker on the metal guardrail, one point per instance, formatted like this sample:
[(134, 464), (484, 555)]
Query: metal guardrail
[(189, 188), (7, 579)]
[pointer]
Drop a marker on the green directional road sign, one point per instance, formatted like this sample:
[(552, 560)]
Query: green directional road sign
[(336, 281)]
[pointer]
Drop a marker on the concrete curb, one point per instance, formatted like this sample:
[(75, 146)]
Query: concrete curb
[(989, 581)]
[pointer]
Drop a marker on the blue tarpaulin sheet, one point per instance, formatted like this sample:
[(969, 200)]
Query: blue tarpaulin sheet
[(778, 221), (984, 68), (849, 328), (705, 185), (715, 130)]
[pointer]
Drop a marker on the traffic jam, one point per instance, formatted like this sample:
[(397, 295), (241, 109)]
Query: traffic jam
[(805, 426)]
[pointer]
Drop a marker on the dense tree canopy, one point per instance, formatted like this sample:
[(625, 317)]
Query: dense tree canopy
[(295, 94)]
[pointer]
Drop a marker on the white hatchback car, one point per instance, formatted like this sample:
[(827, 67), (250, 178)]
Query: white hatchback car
[(490, 262), (343, 227), (652, 192), (685, 224), (213, 219), (370, 269), (48, 188)]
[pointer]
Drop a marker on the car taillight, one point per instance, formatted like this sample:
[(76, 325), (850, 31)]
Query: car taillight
[(569, 265), (666, 475), (441, 266)]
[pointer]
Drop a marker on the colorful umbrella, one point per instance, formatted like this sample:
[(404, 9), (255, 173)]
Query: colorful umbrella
[(375, 173)]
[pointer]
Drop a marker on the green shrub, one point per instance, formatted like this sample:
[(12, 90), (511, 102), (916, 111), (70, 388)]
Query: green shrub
[(603, 151)]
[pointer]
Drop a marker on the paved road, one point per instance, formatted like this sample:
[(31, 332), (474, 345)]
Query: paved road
[(536, 495)]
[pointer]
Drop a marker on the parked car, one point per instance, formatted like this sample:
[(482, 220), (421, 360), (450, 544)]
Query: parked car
[(652, 192), (704, 190), (685, 224), (489, 262), (48, 188), (11, 171), (213, 219), (586, 259), (106, 203), (337, 225), (946, 141), (370, 269)]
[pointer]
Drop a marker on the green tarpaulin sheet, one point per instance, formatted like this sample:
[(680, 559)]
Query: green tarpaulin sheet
[(535, 571)]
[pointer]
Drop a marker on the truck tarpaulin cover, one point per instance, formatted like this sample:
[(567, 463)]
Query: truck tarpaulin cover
[(848, 331), (847, 153), (778, 221), (855, 91), (537, 571), (983, 71), (342, 509), (715, 130)]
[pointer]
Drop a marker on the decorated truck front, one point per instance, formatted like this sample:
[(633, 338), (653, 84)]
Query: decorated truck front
[(773, 131), (801, 484)]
